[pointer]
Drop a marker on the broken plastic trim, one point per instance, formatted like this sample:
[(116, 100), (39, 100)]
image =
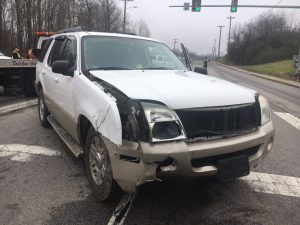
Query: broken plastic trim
[(134, 124), (128, 158)]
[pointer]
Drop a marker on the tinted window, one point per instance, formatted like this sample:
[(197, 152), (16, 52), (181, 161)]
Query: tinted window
[(55, 51), (44, 49), (69, 52)]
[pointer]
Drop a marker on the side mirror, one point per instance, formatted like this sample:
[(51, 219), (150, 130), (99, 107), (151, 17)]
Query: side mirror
[(36, 52), (63, 67), (200, 70)]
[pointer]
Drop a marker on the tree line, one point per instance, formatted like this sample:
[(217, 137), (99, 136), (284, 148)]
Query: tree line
[(20, 19), (266, 39)]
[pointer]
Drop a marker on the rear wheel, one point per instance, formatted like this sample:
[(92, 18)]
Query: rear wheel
[(43, 111), (98, 167), (28, 80)]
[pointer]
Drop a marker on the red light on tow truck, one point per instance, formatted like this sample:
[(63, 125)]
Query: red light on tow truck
[(48, 34)]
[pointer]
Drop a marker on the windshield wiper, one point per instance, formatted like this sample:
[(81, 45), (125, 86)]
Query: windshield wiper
[(109, 68), (158, 68)]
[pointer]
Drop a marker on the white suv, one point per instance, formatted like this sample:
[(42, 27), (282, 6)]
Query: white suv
[(135, 118)]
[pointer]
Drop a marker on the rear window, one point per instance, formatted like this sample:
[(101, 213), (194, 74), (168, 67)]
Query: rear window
[(56, 51), (46, 45)]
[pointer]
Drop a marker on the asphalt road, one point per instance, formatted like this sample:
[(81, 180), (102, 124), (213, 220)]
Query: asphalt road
[(205, 201), (42, 183)]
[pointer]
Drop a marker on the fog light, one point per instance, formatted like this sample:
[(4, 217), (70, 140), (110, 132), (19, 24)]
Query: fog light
[(270, 144)]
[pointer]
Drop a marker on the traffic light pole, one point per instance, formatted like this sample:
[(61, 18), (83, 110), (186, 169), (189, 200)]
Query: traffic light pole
[(245, 6)]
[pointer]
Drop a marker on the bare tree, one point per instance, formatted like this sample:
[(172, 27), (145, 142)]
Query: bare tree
[(20, 19), (141, 28)]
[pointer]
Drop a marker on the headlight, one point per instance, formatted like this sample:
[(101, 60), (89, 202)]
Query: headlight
[(163, 122), (264, 110)]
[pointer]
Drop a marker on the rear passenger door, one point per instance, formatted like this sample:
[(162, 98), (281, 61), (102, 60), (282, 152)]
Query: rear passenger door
[(50, 80), (63, 97)]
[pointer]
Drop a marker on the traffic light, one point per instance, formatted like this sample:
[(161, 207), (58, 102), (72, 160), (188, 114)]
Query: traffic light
[(234, 5), (196, 5)]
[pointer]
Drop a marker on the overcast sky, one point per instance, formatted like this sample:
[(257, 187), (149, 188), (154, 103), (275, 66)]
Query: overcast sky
[(197, 31)]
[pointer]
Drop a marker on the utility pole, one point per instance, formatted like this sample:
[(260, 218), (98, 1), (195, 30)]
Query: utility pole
[(229, 35), (175, 42), (221, 27), (215, 49), (124, 19)]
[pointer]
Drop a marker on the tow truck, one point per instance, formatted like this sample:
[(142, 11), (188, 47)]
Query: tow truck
[(17, 76)]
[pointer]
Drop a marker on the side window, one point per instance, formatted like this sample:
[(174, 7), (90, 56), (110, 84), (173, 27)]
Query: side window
[(46, 44), (69, 52), (55, 51)]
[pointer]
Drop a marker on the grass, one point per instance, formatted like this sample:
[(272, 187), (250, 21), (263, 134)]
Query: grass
[(282, 69)]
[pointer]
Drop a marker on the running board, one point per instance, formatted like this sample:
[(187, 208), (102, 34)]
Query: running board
[(66, 138)]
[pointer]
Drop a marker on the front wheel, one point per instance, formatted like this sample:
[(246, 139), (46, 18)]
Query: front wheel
[(43, 111), (98, 167)]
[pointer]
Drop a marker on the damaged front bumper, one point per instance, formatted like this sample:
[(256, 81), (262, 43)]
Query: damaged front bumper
[(136, 163)]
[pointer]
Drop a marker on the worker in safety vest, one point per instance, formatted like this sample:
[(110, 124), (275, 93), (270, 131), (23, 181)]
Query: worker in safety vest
[(16, 54)]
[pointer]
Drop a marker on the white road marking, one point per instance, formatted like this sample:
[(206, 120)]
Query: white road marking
[(21, 157), (274, 184), (24, 153), (21, 105), (293, 120)]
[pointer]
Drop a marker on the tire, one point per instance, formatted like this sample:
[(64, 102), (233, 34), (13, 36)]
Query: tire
[(98, 167), (42, 110), (29, 89)]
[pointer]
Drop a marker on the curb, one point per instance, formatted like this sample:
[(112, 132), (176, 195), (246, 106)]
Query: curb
[(279, 80), (14, 107)]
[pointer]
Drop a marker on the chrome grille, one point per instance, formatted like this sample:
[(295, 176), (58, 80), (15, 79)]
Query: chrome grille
[(219, 122)]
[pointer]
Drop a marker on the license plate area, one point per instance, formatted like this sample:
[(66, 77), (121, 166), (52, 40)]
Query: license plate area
[(232, 168)]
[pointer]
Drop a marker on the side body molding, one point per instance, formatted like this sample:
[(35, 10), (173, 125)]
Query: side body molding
[(98, 107)]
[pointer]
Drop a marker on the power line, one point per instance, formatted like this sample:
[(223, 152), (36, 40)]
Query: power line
[(271, 9)]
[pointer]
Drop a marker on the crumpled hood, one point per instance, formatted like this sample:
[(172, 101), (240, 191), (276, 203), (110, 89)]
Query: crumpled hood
[(177, 89)]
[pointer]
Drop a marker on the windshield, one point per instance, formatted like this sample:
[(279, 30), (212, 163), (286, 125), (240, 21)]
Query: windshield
[(115, 53)]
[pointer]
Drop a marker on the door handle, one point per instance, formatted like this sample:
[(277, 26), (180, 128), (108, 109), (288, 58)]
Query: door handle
[(56, 80)]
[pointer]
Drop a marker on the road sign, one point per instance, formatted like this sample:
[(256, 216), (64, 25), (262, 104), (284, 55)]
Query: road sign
[(234, 5), (186, 6)]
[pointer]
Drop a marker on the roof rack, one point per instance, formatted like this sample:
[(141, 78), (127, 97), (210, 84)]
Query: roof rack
[(71, 29)]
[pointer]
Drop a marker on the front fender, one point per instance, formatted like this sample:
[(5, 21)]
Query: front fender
[(98, 107)]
